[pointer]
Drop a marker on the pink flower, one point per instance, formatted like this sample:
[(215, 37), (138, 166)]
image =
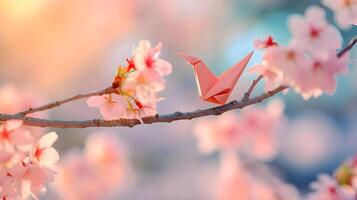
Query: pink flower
[(14, 100), (43, 152), (319, 76), (313, 33), (239, 182), (345, 11), (143, 90), (97, 173), (112, 106), (253, 131), (146, 57), (327, 188), (11, 133), (261, 125), (29, 179), (222, 133), (149, 68), (280, 66)]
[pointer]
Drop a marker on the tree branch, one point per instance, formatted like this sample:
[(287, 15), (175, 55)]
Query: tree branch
[(29, 121), (59, 103), (246, 101), (347, 48), (251, 88)]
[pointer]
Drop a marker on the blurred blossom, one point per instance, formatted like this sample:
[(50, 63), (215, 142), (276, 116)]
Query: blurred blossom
[(14, 99), (316, 134), (240, 182), (327, 188), (253, 131), (345, 11), (97, 173)]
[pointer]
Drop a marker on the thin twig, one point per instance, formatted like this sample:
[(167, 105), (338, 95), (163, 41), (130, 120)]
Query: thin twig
[(29, 121), (347, 48), (59, 103), (251, 88)]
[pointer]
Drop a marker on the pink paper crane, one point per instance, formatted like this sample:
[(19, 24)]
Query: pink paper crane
[(212, 88)]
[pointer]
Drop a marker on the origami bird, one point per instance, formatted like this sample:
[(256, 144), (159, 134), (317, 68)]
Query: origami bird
[(212, 88)]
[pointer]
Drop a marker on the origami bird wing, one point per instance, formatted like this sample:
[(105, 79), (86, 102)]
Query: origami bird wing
[(205, 79), (225, 83), (216, 89)]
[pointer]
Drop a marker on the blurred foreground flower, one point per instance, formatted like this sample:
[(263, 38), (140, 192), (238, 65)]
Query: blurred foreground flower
[(25, 173), (341, 186), (253, 131), (97, 173), (240, 182), (345, 11)]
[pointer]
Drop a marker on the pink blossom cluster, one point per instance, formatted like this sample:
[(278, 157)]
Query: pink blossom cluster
[(345, 11), (137, 85), (26, 159), (341, 186), (97, 173), (309, 63), (254, 131), (26, 165)]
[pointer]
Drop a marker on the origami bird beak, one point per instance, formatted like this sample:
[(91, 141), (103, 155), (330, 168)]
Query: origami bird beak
[(190, 59)]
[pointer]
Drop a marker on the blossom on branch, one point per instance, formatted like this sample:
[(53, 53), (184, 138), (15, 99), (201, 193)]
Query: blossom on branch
[(137, 85), (309, 64)]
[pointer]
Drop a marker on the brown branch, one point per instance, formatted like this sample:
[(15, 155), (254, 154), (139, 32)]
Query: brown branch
[(347, 48), (29, 121), (59, 103)]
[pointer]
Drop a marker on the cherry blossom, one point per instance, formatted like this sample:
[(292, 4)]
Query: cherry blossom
[(262, 125), (14, 100), (12, 133), (253, 132), (137, 85), (309, 63), (313, 33), (146, 57), (220, 134), (96, 173), (345, 11), (24, 173), (111, 106), (319, 76), (238, 182), (327, 188), (280, 65), (43, 152), (30, 179)]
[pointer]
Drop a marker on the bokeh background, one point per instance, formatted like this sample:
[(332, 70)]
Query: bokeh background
[(61, 48)]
